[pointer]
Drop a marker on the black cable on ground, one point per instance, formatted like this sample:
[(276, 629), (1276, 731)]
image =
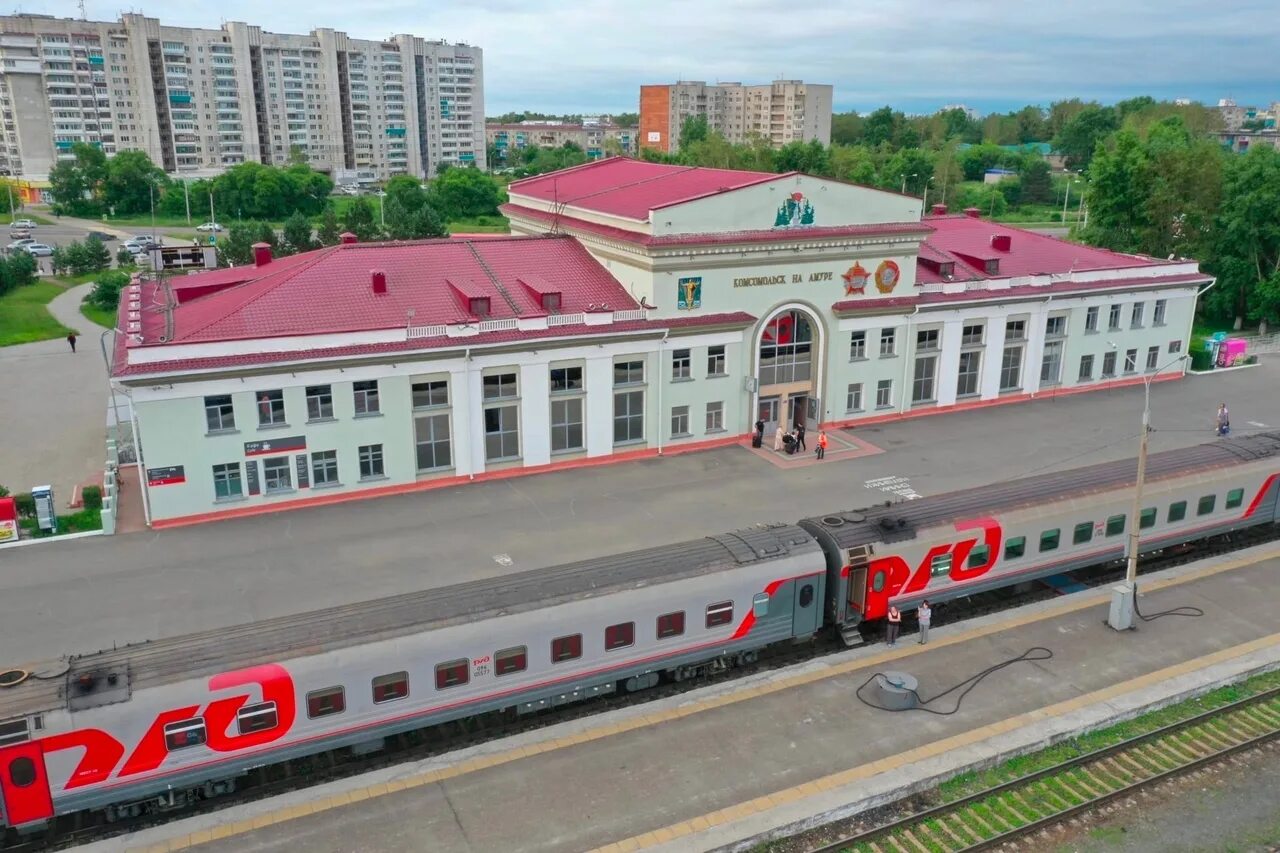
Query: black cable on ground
[(1035, 653), (1186, 610)]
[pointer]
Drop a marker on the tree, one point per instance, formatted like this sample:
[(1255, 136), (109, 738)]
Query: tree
[(1036, 187), (847, 128), (327, 233), (96, 255), (1116, 194), (296, 234), (359, 220), (70, 190), (1031, 124), (1080, 136), (977, 159), (131, 178), (881, 126), (17, 270), (237, 249), (106, 290), (626, 119), (912, 166), (464, 193), (694, 129), (1246, 248)]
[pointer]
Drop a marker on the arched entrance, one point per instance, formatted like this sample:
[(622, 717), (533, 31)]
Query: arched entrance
[(788, 367)]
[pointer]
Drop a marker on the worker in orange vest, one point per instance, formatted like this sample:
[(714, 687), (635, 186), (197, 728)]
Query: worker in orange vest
[(822, 444)]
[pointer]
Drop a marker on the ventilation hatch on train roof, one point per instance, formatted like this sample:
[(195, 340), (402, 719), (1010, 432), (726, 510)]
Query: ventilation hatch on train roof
[(90, 687)]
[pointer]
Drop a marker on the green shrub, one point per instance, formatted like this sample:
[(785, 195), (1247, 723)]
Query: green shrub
[(79, 522), (92, 497), (26, 505), (125, 258), (4, 493), (106, 290)]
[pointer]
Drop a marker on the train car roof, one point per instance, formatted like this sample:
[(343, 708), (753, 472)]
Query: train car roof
[(157, 662), (897, 522)]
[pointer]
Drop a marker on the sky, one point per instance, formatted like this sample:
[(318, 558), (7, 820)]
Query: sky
[(591, 56)]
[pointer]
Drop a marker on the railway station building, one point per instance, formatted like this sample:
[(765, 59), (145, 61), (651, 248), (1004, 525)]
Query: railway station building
[(636, 309)]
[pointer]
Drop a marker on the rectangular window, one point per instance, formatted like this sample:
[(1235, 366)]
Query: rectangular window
[(512, 660), (1051, 363), (1153, 357), (1086, 368), (978, 556), (670, 625), (1109, 365), (927, 340), (218, 413), (501, 433), (888, 342), (1147, 518), (719, 614), (715, 416), (857, 345), (1011, 368), (1174, 347), (371, 461), (922, 382), (566, 425), (1113, 318), (1135, 319), (884, 393), (453, 674), (940, 565), (429, 394), (1115, 525), (1177, 511), (226, 481), (324, 467), (681, 361), (1157, 319), (366, 395), (566, 379), (499, 386), (1015, 330), (1235, 498), (1083, 533), (431, 442), (257, 718), (628, 372), (1206, 504), (323, 703), (716, 361), (1055, 327), (388, 688), (619, 636), (184, 733), (566, 648), (1015, 547), (1091, 319), (679, 420), (270, 408), (853, 397), (628, 417), (319, 402), (1131, 361), (276, 476), (971, 335), (969, 374), (1049, 540)]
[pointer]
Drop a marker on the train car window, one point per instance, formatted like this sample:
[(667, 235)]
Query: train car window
[(878, 581), (1147, 518), (14, 731), (670, 624), (22, 772), (978, 556), (184, 733), (1206, 504), (508, 661), (1115, 525), (1235, 498), (453, 673), (619, 636), (1083, 533), (322, 703), (257, 718), (719, 614), (760, 605), (1049, 539), (1015, 547), (566, 648), (1178, 511), (940, 565), (806, 595), (388, 688)]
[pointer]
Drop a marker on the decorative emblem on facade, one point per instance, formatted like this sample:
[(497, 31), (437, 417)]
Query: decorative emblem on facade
[(887, 276), (795, 211), (855, 280), (689, 293)]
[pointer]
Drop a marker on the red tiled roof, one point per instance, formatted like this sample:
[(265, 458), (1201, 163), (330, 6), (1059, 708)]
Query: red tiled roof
[(656, 327), (330, 290), (188, 287), (621, 186)]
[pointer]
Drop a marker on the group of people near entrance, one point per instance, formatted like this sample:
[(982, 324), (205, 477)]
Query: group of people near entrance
[(792, 442)]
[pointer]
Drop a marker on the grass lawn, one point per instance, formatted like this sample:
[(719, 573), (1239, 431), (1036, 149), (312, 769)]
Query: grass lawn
[(105, 319), (6, 218), (24, 318)]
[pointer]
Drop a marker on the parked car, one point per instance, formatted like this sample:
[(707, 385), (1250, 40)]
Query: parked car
[(140, 247), (19, 244), (40, 250), (101, 235), (23, 223), (147, 238), (19, 233), (209, 226)]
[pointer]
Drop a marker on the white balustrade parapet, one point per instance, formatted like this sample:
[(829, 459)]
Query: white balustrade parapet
[(499, 325), (625, 316), (566, 319), (437, 331)]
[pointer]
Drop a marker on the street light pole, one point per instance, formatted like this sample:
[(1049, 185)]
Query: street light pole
[(151, 185), (1065, 199), (1123, 596), (924, 205), (904, 181), (186, 195)]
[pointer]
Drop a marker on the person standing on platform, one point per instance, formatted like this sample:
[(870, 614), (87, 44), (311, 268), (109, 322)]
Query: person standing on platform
[(800, 436), (71, 339), (777, 439), (1224, 420), (822, 444), (924, 615), (895, 624)]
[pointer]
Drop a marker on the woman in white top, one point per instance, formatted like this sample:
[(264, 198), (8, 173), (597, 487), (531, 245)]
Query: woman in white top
[(924, 615)]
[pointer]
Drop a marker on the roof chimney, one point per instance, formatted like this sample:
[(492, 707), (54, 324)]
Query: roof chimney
[(973, 212), (938, 210), (261, 254), (1001, 242), (379, 279), (347, 237)]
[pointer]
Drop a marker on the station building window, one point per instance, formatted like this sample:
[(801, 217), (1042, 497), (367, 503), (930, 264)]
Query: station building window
[(786, 349), (1086, 368), (319, 402), (970, 373), (433, 447), (1011, 368), (1091, 319), (1157, 319), (501, 416), (1113, 319), (226, 481), (888, 342), (219, 413), (271, 408), (276, 474), (566, 409), (924, 380), (679, 421), (884, 393), (1153, 358), (857, 345), (1051, 362), (1108, 365), (1131, 361), (628, 401), (371, 466), (366, 397), (324, 468), (853, 397), (681, 361), (715, 416), (716, 361)]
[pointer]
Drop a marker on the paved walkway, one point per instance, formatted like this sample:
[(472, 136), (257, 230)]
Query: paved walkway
[(53, 419)]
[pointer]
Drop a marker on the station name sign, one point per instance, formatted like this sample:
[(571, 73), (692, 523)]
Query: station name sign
[(793, 278)]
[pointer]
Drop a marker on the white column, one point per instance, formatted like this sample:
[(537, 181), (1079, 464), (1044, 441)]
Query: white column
[(466, 430), (599, 409), (1034, 351), (535, 413), (992, 357), (949, 362), (475, 409)]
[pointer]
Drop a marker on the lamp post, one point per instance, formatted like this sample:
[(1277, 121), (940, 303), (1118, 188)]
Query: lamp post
[(1122, 597), (151, 185), (1067, 198), (186, 196), (925, 203), (904, 181)]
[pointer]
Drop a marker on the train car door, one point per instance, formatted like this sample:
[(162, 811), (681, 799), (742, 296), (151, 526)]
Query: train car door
[(806, 613), (24, 784), (859, 560)]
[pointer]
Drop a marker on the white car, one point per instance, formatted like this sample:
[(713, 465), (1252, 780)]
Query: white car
[(209, 226), (144, 239), (20, 244), (40, 250), (23, 223)]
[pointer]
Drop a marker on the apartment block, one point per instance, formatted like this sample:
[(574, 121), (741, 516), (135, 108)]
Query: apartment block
[(201, 100), (779, 112), (595, 138)]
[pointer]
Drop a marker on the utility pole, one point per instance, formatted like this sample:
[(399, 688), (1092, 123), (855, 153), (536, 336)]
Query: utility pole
[(186, 195)]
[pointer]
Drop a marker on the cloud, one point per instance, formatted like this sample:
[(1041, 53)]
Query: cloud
[(553, 55)]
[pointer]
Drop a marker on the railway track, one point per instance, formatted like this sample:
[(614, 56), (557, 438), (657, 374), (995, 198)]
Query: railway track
[(1012, 811)]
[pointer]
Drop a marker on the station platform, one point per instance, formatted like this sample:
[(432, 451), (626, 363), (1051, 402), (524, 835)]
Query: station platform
[(732, 764), (81, 596)]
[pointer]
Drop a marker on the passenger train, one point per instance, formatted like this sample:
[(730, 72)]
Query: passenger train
[(159, 724)]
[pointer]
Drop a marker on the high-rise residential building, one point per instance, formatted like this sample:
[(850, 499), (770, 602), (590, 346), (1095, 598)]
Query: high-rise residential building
[(200, 100), (595, 137), (779, 112)]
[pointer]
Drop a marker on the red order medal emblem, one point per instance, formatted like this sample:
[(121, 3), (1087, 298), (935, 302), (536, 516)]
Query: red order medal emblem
[(887, 275), (855, 280)]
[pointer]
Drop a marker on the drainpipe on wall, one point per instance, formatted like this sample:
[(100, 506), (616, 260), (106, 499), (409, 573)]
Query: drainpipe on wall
[(906, 362), (1191, 322), (142, 471), (660, 382), (471, 431)]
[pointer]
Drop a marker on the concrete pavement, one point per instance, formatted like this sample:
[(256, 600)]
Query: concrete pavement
[(81, 596)]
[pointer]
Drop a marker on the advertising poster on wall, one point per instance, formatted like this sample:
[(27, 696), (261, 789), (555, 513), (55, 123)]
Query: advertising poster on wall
[(8, 520)]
